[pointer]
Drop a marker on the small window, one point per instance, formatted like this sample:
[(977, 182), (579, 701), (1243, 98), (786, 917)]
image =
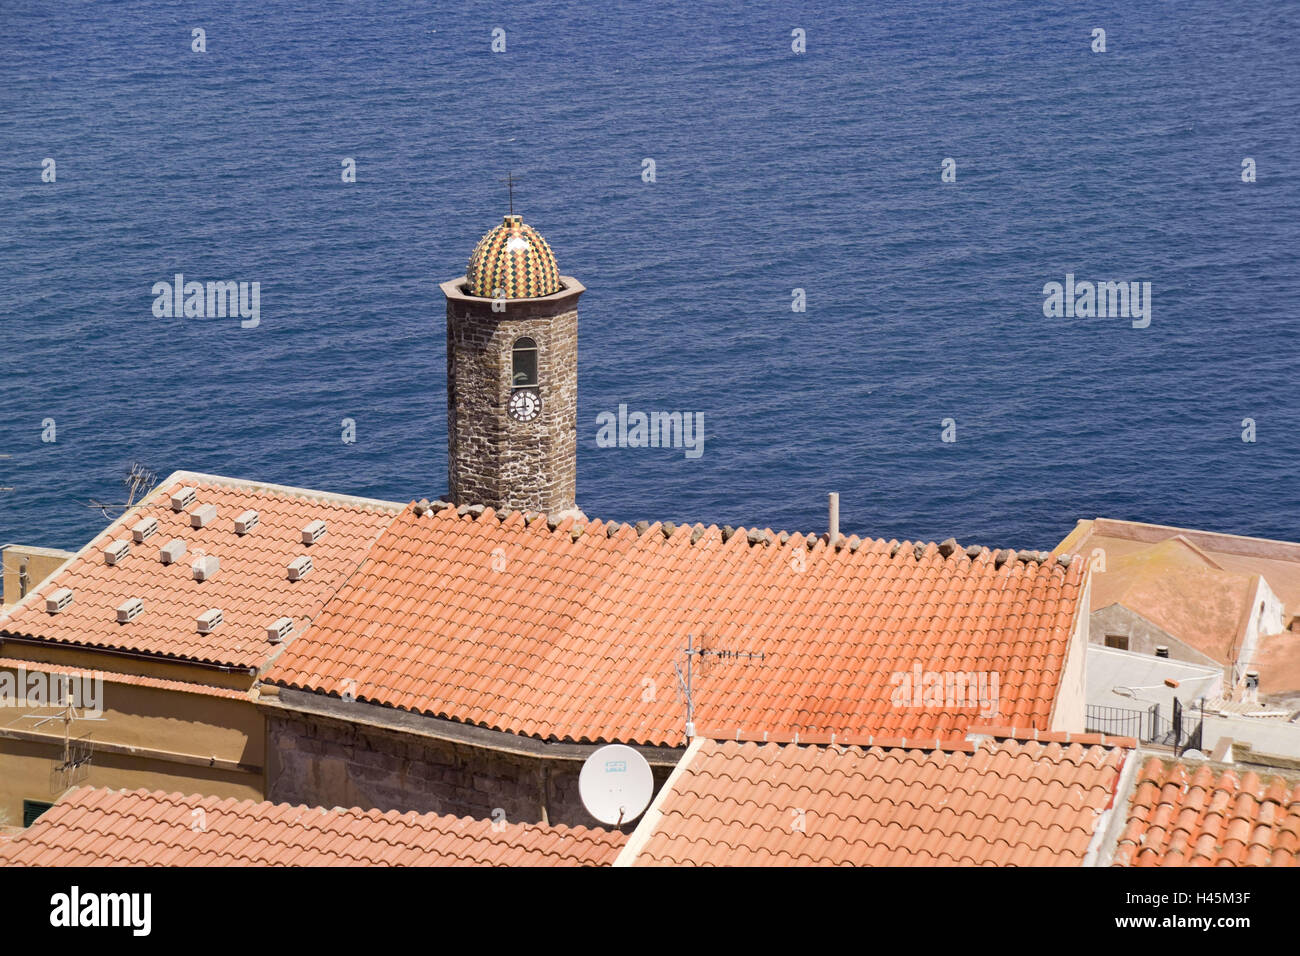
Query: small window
[(1117, 641), (33, 809), (524, 370)]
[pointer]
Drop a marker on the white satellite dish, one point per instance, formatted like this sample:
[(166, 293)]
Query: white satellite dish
[(616, 784)]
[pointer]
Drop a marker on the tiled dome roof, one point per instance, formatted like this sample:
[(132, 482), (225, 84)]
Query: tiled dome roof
[(515, 260)]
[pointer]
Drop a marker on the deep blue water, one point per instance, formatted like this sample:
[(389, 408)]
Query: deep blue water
[(774, 171)]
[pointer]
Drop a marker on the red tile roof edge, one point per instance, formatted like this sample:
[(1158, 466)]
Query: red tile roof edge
[(136, 680), (570, 525), (257, 814), (374, 719), (1052, 736), (956, 742), (967, 742)]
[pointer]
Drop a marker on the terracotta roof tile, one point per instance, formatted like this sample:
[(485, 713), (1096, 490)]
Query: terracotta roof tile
[(754, 804), (113, 677), (251, 586), (95, 827), (1194, 816), (524, 629)]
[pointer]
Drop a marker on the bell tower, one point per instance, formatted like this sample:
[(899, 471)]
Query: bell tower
[(512, 376)]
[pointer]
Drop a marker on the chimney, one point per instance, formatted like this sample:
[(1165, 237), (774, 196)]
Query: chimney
[(1162, 650), (834, 530)]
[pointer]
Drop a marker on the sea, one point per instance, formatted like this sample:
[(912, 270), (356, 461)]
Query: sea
[(827, 228)]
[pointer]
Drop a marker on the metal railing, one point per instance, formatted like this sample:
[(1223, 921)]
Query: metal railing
[(1182, 731)]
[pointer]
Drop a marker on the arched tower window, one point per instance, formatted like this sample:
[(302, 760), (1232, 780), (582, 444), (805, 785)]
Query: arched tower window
[(524, 364)]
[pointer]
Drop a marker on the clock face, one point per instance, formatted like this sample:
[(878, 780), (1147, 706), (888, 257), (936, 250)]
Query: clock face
[(525, 404)]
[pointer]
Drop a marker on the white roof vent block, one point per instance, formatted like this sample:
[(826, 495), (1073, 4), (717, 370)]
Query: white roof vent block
[(205, 567), (313, 532), (116, 551), (208, 621), (58, 600), (184, 498), (280, 630), (172, 551), (143, 529), (203, 515), (129, 610), (247, 522), (299, 568)]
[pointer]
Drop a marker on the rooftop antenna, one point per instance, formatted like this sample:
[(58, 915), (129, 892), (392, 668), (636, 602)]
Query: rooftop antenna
[(139, 479), (686, 681), (510, 187), (77, 753), (6, 487)]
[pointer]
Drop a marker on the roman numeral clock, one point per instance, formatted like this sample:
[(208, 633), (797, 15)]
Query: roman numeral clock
[(512, 375)]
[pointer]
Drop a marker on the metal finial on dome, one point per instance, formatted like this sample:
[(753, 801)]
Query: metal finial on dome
[(510, 187)]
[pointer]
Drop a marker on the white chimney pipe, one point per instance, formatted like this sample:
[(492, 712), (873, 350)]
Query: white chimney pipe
[(834, 535)]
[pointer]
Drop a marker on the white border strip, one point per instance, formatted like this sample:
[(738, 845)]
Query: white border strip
[(645, 829)]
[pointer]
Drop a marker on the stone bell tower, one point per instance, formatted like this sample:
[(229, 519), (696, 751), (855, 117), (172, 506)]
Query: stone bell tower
[(512, 376)]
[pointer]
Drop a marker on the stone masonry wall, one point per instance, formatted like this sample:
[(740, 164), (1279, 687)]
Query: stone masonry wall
[(325, 762), (493, 459)]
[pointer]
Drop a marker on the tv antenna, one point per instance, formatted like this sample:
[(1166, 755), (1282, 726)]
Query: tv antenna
[(77, 752), (138, 481), (686, 680), (6, 487)]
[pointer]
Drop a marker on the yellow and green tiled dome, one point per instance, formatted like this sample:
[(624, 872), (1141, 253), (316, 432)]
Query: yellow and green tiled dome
[(514, 262)]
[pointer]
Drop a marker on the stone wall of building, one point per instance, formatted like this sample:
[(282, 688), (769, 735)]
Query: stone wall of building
[(327, 762), (491, 458)]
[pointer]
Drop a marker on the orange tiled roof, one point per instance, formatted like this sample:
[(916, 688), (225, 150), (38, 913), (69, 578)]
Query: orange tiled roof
[(251, 586), (94, 827), (573, 633), (1184, 815), (1017, 804)]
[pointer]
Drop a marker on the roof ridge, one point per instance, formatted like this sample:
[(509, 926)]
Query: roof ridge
[(753, 535), (291, 491)]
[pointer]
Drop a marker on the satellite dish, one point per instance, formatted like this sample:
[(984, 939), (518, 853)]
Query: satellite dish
[(616, 784)]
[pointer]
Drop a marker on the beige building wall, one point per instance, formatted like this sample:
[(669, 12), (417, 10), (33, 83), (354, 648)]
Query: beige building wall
[(155, 738), (1069, 712), (37, 564)]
